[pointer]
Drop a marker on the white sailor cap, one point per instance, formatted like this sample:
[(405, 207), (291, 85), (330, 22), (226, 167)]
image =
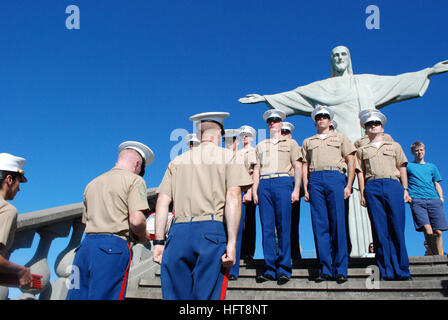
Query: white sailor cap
[(288, 126), (369, 115), (231, 133), (142, 149), (11, 163), (191, 137), (334, 124), (274, 113), (217, 117), (322, 110), (248, 131)]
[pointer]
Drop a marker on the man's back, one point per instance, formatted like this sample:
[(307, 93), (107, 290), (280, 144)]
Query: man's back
[(110, 198), (198, 180)]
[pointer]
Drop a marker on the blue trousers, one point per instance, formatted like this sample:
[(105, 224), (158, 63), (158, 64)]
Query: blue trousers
[(191, 264), (101, 265), (384, 199), (274, 203), (326, 191), (245, 207)]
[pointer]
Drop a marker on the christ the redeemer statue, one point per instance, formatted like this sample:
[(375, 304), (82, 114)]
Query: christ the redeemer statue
[(346, 95)]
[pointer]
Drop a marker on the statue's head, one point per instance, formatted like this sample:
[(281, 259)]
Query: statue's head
[(340, 61)]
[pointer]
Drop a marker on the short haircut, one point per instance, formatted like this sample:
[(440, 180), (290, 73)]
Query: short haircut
[(416, 145), (210, 125), (5, 173)]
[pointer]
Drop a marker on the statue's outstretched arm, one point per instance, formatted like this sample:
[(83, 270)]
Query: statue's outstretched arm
[(252, 98)]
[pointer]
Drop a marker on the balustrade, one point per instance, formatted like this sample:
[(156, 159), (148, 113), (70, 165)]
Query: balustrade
[(50, 224)]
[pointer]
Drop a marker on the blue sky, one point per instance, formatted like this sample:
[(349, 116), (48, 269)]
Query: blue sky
[(137, 70)]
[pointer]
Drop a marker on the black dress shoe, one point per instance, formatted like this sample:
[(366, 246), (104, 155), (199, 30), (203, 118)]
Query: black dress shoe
[(282, 279), (340, 278), (263, 278), (322, 277), (233, 277)]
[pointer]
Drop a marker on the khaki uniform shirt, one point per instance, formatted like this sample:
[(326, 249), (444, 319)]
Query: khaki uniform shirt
[(277, 155), (248, 157), (110, 198), (382, 162), (365, 141), (328, 153), (8, 224), (197, 180)]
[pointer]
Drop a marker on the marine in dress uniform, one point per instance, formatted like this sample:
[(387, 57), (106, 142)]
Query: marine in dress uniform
[(230, 139), (245, 245), (326, 156), (115, 204), (383, 164), (205, 186), (287, 130), (11, 175), (275, 189)]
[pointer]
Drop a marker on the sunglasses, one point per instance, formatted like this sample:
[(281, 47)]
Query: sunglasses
[(322, 116), (274, 120), (373, 123), (285, 131), (229, 139)]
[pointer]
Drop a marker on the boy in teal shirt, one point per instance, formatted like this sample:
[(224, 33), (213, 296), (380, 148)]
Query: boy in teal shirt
[(427, 199)]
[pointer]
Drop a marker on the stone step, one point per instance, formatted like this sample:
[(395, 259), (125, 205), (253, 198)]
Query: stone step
[(304, 284), (334, 295), (156, 294), (298, 289), (430, 281)]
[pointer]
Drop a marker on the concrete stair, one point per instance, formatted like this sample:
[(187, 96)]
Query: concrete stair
[(429, 281)]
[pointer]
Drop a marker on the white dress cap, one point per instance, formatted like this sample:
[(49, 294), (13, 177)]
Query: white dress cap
[(231, 133), (274, 113), (217, 117), (288, 126), (191, 137), (142, 149), (247, 131), (322, 110), (8, 162), (371, 115)]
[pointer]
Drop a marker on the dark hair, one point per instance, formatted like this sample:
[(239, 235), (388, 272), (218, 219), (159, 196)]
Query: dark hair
[(5, 173), (142, 169)]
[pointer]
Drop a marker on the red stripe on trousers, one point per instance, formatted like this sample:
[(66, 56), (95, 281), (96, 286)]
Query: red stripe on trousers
[(224, 284), (125, 279)]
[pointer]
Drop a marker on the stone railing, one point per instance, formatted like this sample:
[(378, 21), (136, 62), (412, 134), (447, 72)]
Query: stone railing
[(49, 224)]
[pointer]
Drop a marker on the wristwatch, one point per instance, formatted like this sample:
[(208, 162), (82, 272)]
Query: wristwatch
[(158, 242)]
